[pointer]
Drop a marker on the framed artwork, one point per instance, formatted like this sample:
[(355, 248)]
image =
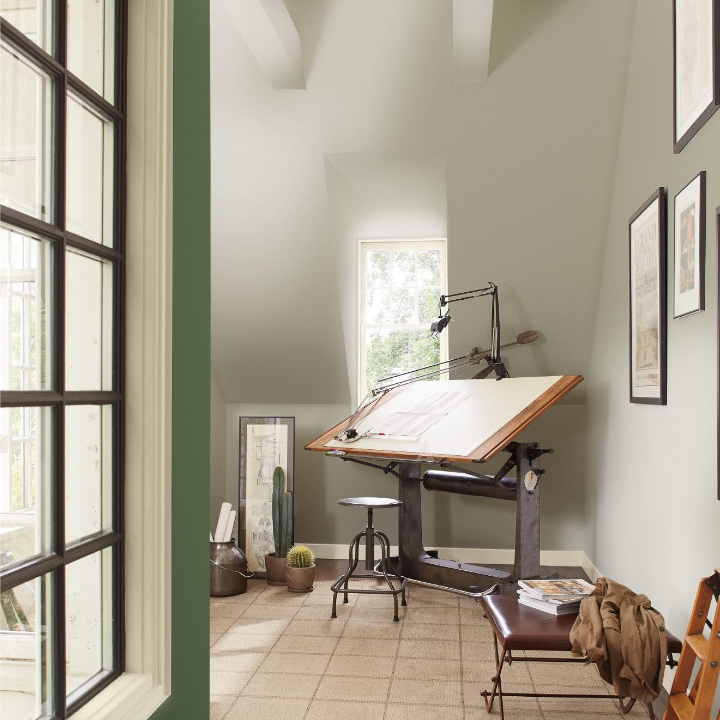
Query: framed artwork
[(265, 443), (689, 283), (696, 67), (648, 305)]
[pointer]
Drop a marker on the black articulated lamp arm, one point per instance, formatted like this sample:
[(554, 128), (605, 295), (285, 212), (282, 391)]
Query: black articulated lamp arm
[(442, 321)]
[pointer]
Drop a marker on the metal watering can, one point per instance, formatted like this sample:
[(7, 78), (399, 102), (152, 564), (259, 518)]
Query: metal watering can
[(228, 569)]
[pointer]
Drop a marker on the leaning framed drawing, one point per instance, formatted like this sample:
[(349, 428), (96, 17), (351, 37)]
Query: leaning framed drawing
[(265, 443), (696, 67), (689, 243), (648, 305)]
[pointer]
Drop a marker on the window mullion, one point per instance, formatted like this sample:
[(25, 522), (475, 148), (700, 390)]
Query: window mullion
[(59, 649), (21, 221), (87, 546), (84, 91), (19, 41), (29, 570)]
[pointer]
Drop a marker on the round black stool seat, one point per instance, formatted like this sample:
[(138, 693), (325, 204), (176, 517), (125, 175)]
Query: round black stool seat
[(370, 502)]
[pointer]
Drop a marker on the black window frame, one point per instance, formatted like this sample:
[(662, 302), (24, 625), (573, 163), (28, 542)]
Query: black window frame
[(59, 555)]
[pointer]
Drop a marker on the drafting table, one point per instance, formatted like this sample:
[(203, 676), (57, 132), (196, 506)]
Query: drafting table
[(443, 422)]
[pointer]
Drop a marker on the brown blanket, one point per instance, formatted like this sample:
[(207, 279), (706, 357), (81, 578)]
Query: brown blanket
[(620, 632)]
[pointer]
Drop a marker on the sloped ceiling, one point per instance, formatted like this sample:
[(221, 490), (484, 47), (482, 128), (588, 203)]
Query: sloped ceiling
[(528, 157)]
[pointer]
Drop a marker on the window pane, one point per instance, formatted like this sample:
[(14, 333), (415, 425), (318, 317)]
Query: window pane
[(33, 18), (403, 306), (429, 268), (403, 268), (378, 268), (388, 352), (25, 311), (377, 307), (89, 172), (88, 322), (88, 617), (428, 304), (25, 475), (25, 651), (88, 470), (25, 135), (91, 44)]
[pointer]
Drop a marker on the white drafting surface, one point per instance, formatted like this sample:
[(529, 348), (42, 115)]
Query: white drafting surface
[(447, 417)]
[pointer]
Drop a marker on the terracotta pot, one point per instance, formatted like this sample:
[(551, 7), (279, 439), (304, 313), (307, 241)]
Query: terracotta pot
[(275, 569), (300, 580)]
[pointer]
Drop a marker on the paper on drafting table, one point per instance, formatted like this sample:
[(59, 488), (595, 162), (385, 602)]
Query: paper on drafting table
[(405, 425), (486, 407), (423, 415), (440, 401)]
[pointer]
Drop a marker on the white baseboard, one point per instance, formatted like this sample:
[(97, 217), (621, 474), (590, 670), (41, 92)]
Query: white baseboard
[(501, 556)]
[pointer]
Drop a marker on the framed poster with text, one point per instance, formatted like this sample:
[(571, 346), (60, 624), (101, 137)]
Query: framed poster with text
[(696, 67), (648, 306), (265, 443)]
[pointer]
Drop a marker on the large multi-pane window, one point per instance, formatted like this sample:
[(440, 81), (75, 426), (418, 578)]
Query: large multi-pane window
[(400, 286), (62, 160)]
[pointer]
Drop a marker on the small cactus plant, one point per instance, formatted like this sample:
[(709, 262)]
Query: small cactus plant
[(300, 556), (282, 514)]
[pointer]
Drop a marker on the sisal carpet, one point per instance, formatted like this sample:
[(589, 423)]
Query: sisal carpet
[(275, 654)]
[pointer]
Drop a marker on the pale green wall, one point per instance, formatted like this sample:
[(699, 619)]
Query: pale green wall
[(653, 520), (521, 189)]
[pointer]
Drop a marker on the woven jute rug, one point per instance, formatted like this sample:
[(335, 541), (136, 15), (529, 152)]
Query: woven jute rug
[(276, 654)]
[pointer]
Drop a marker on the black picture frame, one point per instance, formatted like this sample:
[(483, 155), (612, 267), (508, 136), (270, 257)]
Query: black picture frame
[(681, 139), (694, 190), (251, 429), (654, 239)]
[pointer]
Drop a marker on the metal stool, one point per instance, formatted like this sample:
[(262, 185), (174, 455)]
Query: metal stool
[(370, 533)]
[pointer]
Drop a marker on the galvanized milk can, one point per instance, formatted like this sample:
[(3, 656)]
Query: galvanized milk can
[(228, 569)]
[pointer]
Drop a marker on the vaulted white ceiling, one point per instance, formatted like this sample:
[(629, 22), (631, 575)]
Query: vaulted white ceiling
[(516, 171)]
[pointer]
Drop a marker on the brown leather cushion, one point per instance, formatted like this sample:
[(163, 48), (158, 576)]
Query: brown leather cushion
[(519, 627)]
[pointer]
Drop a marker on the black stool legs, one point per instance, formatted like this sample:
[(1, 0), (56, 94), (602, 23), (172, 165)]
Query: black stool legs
[(385, 565)]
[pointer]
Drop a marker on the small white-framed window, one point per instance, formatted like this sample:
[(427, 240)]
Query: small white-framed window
[(400, 286)]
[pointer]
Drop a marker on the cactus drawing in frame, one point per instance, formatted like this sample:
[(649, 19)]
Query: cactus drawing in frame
[(266, 443)]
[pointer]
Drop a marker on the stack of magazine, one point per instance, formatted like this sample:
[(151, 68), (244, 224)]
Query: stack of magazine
[(557, 597)]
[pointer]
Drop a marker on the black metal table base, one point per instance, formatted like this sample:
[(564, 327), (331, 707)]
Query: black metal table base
[(386, 569), (505, 657)]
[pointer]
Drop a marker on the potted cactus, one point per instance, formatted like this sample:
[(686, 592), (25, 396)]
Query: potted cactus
[(282, 516), (300, 569)]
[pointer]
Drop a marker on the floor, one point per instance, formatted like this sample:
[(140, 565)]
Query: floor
[(278, 654)]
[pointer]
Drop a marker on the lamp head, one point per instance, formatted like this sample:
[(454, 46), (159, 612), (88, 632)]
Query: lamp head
[(439, 324)]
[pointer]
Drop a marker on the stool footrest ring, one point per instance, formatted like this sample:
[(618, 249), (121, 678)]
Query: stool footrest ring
[(386, 572)]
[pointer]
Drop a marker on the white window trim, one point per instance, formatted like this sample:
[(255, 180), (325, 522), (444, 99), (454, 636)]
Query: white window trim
[(146, 683), (391, 244)]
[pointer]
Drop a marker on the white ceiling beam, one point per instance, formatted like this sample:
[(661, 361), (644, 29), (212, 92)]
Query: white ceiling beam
[(270, 34), (472, 27)]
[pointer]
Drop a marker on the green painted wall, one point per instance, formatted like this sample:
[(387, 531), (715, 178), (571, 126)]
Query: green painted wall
[(191, 364)]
